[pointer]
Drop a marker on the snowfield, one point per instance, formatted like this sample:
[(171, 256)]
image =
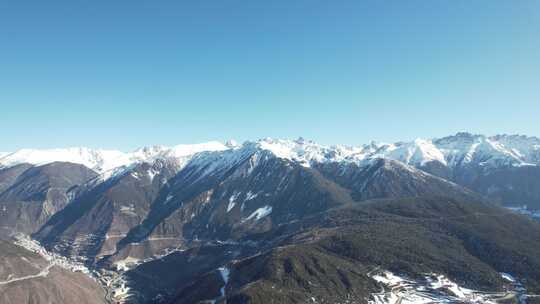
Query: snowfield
[(107, 161), (459, 150), (439, 289), (259, 213)]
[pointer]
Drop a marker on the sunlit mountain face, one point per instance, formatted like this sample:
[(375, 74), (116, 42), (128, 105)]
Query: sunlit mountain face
[(275, 221)]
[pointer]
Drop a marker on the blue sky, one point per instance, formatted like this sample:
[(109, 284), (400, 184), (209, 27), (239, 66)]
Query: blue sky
[(122, 74)]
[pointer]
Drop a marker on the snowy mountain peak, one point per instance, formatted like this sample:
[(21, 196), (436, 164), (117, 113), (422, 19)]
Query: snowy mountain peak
[(187, 150), (231, 143), (307, 151), (462, 149), (95, 159), (418, 152), (107, 160)]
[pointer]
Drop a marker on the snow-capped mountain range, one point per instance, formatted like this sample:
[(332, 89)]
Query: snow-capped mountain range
[(106, 160), (453, 151), (222, 212)]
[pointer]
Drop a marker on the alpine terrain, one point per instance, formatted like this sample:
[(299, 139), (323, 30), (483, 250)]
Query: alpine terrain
[(453, 219)]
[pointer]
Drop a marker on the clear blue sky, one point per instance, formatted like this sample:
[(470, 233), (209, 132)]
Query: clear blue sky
[(122, 74)]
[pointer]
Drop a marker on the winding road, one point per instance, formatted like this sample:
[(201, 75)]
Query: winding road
[(42, 274)]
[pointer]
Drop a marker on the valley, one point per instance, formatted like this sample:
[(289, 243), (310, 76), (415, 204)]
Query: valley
[(278, 221)]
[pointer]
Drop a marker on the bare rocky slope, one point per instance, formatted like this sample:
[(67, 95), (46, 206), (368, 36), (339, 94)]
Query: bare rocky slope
[(26, 277), (277, 220)]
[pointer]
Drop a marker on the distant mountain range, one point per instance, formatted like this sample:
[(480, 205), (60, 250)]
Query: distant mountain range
[(455, 151), (289, 220), (481, 163)]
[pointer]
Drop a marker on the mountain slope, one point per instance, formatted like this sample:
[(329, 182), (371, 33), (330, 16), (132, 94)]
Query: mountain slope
[(34, 194), (248, 195), (289, 221), (464, 158), (223, 195), (259, 191), (26, 277), (8, 176), (385, 178), (101, 216), (329, 257)]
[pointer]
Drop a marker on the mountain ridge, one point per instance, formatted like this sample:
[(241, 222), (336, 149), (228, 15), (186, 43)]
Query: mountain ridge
[(453, 150), (218, 212)]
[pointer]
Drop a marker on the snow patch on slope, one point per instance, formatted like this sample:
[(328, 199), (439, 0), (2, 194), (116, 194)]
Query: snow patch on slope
[(225, 273), (259, 213), (232, 201), (126, 264), (435, 288), (250, 196)]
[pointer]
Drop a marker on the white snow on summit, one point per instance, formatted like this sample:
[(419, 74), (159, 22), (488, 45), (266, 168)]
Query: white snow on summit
[(180, 153), (418, 152), (453, 151), (99, 160), (306, 152), (462, 149), (259, 213), (107, 160)]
